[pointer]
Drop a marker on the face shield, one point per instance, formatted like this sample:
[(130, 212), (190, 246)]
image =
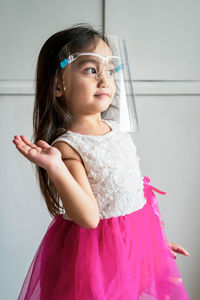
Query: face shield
[(116, 70)]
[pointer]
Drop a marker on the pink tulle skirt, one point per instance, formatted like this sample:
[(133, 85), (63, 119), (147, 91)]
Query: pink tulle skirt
[(123, 258)]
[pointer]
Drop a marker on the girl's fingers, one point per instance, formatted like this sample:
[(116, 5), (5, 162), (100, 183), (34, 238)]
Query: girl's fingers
[(179, 249), (43, 144), (174, 254), (19, 143), (28, 152), (24, 145), (28, 142), (22, 149), (16, 136)]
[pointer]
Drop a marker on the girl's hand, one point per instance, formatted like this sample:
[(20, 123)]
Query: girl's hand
[(174, 248), (42, 155)]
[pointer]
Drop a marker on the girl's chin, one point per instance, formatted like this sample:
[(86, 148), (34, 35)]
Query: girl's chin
[(103, 100), (101, 106)]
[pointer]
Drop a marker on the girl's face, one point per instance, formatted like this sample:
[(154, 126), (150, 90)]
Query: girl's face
[(81, 85)]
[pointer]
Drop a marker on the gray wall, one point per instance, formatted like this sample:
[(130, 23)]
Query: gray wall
[(163, 46)]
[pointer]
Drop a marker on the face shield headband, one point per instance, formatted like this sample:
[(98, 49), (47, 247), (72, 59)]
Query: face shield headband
[(112, 63)]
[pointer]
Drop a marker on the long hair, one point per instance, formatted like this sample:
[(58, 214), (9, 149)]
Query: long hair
[(51, 117)]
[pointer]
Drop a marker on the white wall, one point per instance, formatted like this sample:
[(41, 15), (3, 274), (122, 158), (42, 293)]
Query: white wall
[(163, 44)]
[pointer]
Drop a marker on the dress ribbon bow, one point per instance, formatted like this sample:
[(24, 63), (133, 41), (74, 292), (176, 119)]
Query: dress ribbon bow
[(153, 202), (151, 198)]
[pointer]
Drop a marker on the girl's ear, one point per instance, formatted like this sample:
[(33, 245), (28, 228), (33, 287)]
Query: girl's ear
[(59, 89)]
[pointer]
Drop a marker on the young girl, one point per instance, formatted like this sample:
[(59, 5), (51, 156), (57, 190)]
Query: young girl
[(109, 241)]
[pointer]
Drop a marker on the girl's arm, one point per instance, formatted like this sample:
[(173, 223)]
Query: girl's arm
[(80, 205)]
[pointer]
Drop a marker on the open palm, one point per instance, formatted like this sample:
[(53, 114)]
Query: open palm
[(41, 154)]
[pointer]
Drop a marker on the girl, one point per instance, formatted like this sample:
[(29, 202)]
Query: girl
[(109, 242)]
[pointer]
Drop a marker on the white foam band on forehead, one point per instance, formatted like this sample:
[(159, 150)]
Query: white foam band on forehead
[(103, 58)]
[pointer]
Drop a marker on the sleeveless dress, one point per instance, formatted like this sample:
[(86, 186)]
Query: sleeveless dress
[(126, 257)]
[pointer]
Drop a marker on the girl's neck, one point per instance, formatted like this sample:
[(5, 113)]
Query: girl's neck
[(94, 127)]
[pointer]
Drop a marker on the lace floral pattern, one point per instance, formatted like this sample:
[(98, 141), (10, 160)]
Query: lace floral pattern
[(113, 170)]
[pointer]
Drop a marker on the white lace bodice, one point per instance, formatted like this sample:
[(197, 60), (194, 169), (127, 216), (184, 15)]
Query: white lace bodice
[(113, 170)]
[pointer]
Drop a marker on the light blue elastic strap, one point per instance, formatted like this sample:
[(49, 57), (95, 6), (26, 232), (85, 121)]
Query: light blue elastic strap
[(64, 63), (118, 68)]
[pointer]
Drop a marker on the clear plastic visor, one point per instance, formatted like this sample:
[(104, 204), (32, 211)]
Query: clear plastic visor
[(115, 69)]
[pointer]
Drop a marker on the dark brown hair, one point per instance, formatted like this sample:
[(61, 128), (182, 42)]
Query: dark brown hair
[(51, 118)]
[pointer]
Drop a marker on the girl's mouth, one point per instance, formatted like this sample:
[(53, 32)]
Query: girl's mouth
[(100, 96)]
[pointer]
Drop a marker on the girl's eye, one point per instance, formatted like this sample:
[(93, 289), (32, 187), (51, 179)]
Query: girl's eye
[(93, 70), (111, 72), (90, 70)]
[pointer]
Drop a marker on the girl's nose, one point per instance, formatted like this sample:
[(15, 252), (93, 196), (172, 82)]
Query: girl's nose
[(103, 78)]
